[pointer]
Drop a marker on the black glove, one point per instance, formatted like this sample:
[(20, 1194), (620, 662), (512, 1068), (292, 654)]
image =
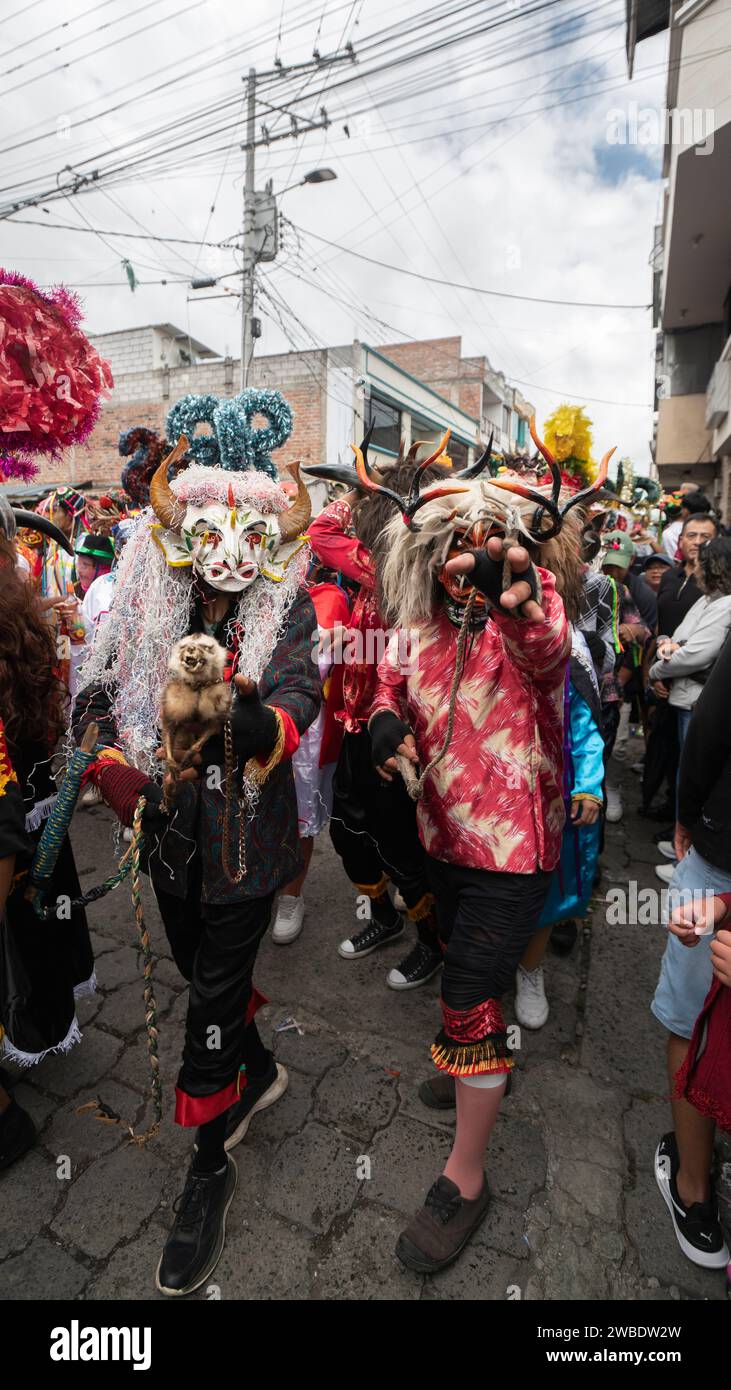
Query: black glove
[(387, 732), (487, 576), (154, 819), (254, 727)]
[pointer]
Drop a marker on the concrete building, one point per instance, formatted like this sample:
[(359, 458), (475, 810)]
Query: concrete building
[(692, 251), (407, 391)]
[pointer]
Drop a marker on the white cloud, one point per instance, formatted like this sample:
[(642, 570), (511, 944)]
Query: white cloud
[(539, 205)]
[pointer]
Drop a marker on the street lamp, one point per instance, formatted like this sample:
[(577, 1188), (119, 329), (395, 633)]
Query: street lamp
[(314, 176)]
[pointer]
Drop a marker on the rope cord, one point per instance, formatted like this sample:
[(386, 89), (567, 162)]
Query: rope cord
[(414, 784)]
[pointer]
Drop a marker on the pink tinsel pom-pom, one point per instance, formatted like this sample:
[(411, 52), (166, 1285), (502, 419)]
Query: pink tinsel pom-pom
[(51, 377)]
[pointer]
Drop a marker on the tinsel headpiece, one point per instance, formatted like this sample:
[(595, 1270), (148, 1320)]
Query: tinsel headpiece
[(233, 443)]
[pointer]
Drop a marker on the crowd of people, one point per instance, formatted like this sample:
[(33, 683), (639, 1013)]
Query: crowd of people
[(441, 670)]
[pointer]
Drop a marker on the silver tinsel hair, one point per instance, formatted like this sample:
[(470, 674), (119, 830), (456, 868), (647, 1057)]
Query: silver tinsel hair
[(152, 606)]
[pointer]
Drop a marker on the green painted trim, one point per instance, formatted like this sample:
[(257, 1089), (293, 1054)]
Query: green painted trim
[(388, 399), (472, 418)]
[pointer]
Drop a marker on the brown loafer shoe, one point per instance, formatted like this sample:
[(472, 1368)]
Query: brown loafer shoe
[(438, 1092), (440, 1231)]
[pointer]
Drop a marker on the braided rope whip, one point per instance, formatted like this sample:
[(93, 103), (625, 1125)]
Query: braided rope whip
[(94, 894), (149, 995), (414, 784)]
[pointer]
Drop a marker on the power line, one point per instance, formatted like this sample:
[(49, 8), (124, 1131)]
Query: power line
[(64, 24), (132, 236), (62, 67), (473, 289)]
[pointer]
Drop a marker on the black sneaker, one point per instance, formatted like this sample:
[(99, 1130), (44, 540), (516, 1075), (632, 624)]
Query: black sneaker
[(195, 1244), (259, 1093), (697, 1228), (563, 938), (416, 969), (373, 935), (17, 1134)]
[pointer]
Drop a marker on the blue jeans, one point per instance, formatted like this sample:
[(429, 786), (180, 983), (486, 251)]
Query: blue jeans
[(684, 718), (685, 972)]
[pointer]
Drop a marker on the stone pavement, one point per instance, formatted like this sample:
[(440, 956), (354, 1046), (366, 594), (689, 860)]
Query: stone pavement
[(328, 1174)]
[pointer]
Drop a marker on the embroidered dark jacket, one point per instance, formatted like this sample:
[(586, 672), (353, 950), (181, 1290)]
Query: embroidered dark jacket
[(291, 682)]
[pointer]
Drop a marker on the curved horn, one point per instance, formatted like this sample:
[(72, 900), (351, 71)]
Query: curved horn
[(367, 482), (473, 470), (334, 473), (422, 467), (31, 521), (596, 486), (163, 501), (295, 520), (548, 456)]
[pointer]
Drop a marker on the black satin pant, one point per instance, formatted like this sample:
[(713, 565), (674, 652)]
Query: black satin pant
[(214, 946)]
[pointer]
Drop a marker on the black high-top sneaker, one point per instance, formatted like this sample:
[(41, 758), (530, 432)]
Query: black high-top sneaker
[(386, 925), (196, 1242)]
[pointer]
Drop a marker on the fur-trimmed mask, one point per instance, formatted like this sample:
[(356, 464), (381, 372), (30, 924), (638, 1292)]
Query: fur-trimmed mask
[(231, 528)]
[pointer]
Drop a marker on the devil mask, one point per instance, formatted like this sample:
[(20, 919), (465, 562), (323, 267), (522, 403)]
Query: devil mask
[(235, 535)]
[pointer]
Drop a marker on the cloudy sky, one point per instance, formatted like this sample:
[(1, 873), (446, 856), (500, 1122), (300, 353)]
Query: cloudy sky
[(490, 144)]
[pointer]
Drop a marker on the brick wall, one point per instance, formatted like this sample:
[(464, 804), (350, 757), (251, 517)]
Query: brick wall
[(428, 360), (145, 397)]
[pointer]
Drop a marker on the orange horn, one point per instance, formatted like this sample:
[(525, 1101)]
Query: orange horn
[(548, 456)]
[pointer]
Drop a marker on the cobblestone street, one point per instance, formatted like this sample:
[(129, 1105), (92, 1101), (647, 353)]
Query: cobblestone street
[(575, 1213)]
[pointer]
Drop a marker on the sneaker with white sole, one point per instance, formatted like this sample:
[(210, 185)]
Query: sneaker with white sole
[(373, 935), (531, 1005), (90, 797), (697, 1228), (259, 1094), (615, 809), (667, 849), (289, 919), (416, 969), (665, 872)]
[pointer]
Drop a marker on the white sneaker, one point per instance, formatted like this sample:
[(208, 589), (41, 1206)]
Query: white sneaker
[(665, 872), (615, 809), (91, 796), (289, 919), (667, 849), (531, 1005)]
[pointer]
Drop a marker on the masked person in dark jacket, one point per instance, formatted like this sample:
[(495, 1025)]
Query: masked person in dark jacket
[(221, 553)]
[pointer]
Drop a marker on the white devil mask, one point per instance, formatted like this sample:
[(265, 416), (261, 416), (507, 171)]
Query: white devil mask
[(229, 542)]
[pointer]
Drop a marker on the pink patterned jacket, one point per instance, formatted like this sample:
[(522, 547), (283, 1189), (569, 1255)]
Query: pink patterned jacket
[(496, 799)]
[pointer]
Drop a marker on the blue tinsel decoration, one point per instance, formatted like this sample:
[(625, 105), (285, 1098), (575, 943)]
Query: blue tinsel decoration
[(233, 444)]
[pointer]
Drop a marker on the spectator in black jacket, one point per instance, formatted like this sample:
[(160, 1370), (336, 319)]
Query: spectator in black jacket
[(679, 590), (703, 846)]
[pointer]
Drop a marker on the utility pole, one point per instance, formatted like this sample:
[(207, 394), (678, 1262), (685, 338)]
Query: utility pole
[(260, 225), (247, 295)]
